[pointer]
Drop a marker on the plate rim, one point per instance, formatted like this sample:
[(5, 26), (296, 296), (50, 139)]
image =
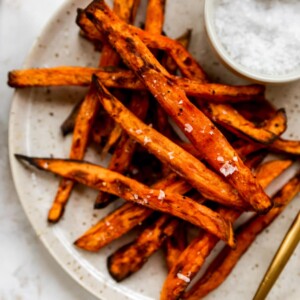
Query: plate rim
[(84, 282)]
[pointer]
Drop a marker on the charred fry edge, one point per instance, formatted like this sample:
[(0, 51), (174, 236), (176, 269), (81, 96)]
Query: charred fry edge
[(131, 257), (246, 234), (119, 78), (108, 181), (202, 245)]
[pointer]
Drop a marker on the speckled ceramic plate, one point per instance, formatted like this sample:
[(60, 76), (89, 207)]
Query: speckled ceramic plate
[(36, 115)]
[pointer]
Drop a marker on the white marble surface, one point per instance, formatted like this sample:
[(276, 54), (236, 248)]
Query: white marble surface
[(27, 269)]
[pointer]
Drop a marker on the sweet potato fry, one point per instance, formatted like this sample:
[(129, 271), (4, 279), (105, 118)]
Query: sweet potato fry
[(227, 259), (131, 257), (84, 121), (125, 148), (88, 29), (245, 148), (139, 104), (199, 176), (256, 111), (266, 172), (126, 217), (228, 117), (105, 180), (83, 124), (187, 116), (161, 120), (155, 16), (193, 257), (102, 127), (118, 78), (68, 125), (167, 61), (175, 49), (286, 146), (112, 140), (174, 245), (125, 11)]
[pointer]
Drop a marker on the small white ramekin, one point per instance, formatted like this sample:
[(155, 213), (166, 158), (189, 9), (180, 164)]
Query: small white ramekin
[(219, 49)]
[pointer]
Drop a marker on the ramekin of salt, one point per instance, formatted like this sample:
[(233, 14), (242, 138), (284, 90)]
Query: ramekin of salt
[(258, 39)]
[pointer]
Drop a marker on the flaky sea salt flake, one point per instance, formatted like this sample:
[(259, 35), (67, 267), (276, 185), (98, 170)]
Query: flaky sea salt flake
[(183, 277), (188, 127), (161, 195), (147, 140), (171, 154), (227, 169), (220, 158)]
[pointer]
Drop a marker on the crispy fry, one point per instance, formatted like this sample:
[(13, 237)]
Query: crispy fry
[(270, 170), (68, 125), (191, 120), (155, 77), (244, 147), (280, 145), (126, 12), (277, 124), (174, 245), (103, 125), (183, 59), (193, 257), (167, 61), (162, 122), (125, 217), (83, 125), (256, 111), (122, 157), (131, 257), (123, 153), (227, 259), (112, 140), (119, 162), (155, 16), (228, 117), (179, 160), (105, 180), (88, 29), (286, 146), (84, 122), (114, 78), (89, 32)]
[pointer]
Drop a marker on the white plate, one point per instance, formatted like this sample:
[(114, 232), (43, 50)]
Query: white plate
[(36, 115)]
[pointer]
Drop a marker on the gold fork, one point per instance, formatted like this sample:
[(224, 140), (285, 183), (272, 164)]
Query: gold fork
[(280, 259)]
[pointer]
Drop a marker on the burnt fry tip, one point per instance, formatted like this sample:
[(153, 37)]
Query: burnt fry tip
[(101, 205), (282, 111), (265, 210), (78, 15), (112, 274), (10, 79), (96, 83), (94, 5), (28, 159), (54, 221)]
